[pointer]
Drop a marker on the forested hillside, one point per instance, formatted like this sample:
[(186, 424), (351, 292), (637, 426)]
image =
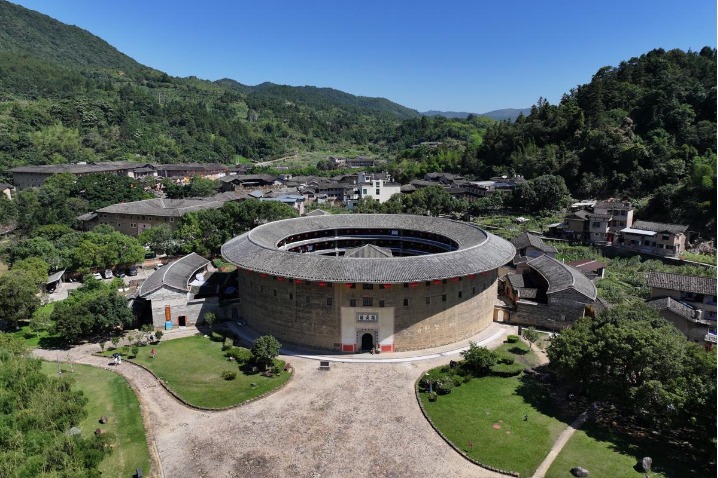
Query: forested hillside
[(69, 96), (646, 128)]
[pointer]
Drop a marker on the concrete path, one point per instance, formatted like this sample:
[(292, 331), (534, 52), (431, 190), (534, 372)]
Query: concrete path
[(560, 443), (358, 419)]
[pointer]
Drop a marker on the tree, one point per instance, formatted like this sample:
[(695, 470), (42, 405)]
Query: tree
[(38, 411), (479, 360), (93, 309), (264, 350), (210, 318), (531, 335), (18, 296), (543, 194), (34, 266), (640, 363), (158, 238)]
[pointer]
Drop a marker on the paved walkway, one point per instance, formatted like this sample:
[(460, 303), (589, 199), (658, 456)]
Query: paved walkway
[(359, 419), (560, 443)]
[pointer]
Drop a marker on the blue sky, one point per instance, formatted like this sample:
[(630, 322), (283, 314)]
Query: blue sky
[(473, 56)]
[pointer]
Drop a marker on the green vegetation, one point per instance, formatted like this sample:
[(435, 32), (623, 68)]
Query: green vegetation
[(37, 413), (644, 129), (508, 423), (658, 381), (192, 367), (702, 258), (625, 279), (108, 394), (510, 226), (95, 309), (605, 452)]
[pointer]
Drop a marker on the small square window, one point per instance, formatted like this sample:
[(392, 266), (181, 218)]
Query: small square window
[(406, 302), (367, 286), (428, 300), (460, 294), (306, 299), (381, 303), (291, 296), (443, 298), (428, 283), (367, 301), (329, 300), (275, 292), (352, 302)]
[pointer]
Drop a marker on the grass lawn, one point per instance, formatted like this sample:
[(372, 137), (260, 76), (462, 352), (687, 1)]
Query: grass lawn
[(485, 418), (192, 368), (110, 395), (607, 454), (42, 338)]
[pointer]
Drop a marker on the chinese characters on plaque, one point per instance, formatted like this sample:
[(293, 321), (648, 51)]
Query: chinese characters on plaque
[(367, 317)]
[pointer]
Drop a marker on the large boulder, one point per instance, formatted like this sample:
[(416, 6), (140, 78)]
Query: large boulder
[(579, 472), (646, 464)]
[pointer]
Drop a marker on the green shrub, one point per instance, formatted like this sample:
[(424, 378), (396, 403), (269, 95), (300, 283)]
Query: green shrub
[(457, 380), (512, 339), (240, 354), (135, 350), (505, 359), (467, 378), (226, 347), (444, 385), (507, 370), (229, 375), (216, 337), (432, 396), (158, 335)]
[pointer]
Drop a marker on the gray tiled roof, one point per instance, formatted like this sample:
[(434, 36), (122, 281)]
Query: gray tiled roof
[(660, 227), (561, 276), (616, 205), (317, 212), (175, 275), (696, 285), (527, 239), (477, 251), (369, 250), (168, 207), (102, 167)]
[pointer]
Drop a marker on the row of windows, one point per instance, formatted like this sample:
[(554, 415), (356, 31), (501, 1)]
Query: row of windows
[(369, 301), (365, 286)]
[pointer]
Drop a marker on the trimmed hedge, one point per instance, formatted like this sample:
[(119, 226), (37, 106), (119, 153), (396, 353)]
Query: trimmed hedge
[(512, 339), (507, 370)]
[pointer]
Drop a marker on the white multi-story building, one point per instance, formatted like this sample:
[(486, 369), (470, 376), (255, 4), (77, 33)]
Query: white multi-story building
[(377, 186)]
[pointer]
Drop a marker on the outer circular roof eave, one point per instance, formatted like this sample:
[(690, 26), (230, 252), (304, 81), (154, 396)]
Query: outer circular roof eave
[(478, 251)]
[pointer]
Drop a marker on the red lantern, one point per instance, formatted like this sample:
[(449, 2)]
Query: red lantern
[(322, 284), (387, 286), (436, 281), (280, 279), (413, 284), (297, 281), (454, 279), (263, 275)]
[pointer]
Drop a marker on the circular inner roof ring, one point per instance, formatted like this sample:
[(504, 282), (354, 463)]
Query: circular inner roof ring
[(478, 251)]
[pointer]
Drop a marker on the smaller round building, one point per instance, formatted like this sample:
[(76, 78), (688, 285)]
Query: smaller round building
[(355, 282)]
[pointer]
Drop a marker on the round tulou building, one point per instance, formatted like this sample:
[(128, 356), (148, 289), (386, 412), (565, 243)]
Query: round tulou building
[(353, 282)]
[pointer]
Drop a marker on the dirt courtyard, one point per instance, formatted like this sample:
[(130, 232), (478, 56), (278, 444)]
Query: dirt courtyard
[(357, 419)]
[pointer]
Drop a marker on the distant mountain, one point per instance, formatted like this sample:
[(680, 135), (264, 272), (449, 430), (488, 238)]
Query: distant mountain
[(321, 97), (26, 32), (500, 115)]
